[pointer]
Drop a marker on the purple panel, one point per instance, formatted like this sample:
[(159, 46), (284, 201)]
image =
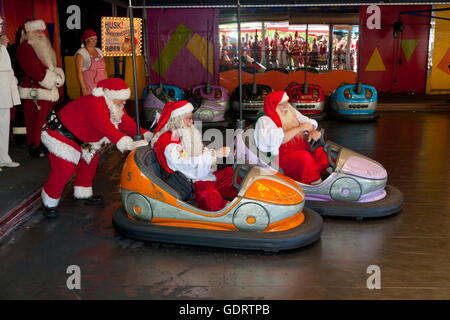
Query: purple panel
[(185, 70), (363, 168), (225, 96)]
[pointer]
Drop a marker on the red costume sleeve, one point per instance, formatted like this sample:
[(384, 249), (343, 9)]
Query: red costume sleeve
[(30, 63), (160, 147), (99, 118), (128, 125)]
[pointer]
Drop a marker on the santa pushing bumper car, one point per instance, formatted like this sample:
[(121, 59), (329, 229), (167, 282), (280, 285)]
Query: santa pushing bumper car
[(74, 134)]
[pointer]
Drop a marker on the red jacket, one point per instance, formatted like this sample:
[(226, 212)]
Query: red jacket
[(37, 75), (88, 118)]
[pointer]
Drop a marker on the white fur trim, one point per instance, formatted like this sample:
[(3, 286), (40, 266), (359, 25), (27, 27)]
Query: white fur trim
[(60, 149), (285, 98), (82, 192), (95, 146), (123, 143), (42, 94), (49, 80), (188, 107), (48, 201), (34, 25), (98, 92), (123, 94), (19, 130), (148, 136)]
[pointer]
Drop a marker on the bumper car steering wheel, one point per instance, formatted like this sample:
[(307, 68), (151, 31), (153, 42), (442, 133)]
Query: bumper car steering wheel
[(332, 151)]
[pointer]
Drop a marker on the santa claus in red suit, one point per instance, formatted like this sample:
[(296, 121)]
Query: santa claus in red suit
[(178, 146), (281, 131), (75, 133), (39, 86)]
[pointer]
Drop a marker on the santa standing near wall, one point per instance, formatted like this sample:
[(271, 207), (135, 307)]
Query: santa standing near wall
[(74, 134), (39, 86)]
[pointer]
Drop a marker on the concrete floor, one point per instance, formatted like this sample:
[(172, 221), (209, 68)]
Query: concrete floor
[(411, 248)]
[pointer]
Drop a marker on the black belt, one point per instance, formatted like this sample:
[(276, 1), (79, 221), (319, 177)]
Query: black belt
[(54, 123)]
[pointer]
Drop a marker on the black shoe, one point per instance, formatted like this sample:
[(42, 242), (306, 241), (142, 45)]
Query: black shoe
[(34, 151), (42, 149), (51, 213), (91, 201)]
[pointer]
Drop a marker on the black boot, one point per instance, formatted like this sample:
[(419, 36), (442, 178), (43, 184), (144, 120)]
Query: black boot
[(43, 149), (36, 152), (91, 201), (33, 150), (51, 213)]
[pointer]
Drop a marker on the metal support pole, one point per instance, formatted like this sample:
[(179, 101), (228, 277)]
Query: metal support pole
[(263, 43), (240, 122), (138, 135), (330, 48), (305, 85), (358, 84)]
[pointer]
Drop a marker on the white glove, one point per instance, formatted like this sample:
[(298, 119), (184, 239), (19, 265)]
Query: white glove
[(148, 136), (136, 144), (60, 77)]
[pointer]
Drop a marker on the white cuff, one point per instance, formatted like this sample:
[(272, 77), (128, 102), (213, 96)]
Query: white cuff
[(49, 80), (82, 192), (48, 201), (123, 143), (148, 136)]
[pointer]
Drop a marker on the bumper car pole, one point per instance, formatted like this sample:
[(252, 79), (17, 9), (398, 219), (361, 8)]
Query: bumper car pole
[(138, 135), (358, 84), (207, 86), (240, 122), (146, 56), (305, 85)]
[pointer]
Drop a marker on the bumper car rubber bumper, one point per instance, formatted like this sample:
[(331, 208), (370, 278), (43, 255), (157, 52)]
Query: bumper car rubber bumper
[(305, 234), (390, 204), (355, 117)]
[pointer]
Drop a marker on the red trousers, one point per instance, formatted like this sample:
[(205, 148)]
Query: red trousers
[(210, 195), (61, 171), (299, 163), (35, 119)]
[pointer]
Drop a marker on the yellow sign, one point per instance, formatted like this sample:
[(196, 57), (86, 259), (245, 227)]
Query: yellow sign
[(116, 36)]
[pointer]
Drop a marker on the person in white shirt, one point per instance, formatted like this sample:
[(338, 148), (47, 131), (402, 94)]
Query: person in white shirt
[(9, 96), (284, 132), (178, 146)]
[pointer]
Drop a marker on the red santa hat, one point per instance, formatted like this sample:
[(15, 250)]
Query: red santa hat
[(271, 102), (33, 25), (87, 34), (113, 88), (171, 110)]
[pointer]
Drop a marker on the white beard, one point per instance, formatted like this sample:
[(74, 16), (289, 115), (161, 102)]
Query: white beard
[(191, 140), (288, 118), (43, 49), (115, 111)]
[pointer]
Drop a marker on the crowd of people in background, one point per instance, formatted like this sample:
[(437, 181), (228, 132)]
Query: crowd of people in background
[(290, 51)]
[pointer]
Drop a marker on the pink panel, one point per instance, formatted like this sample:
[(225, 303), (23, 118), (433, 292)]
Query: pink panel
[(185, 70)]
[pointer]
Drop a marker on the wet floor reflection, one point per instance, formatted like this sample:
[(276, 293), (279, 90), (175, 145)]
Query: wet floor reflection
[(412, 248)]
